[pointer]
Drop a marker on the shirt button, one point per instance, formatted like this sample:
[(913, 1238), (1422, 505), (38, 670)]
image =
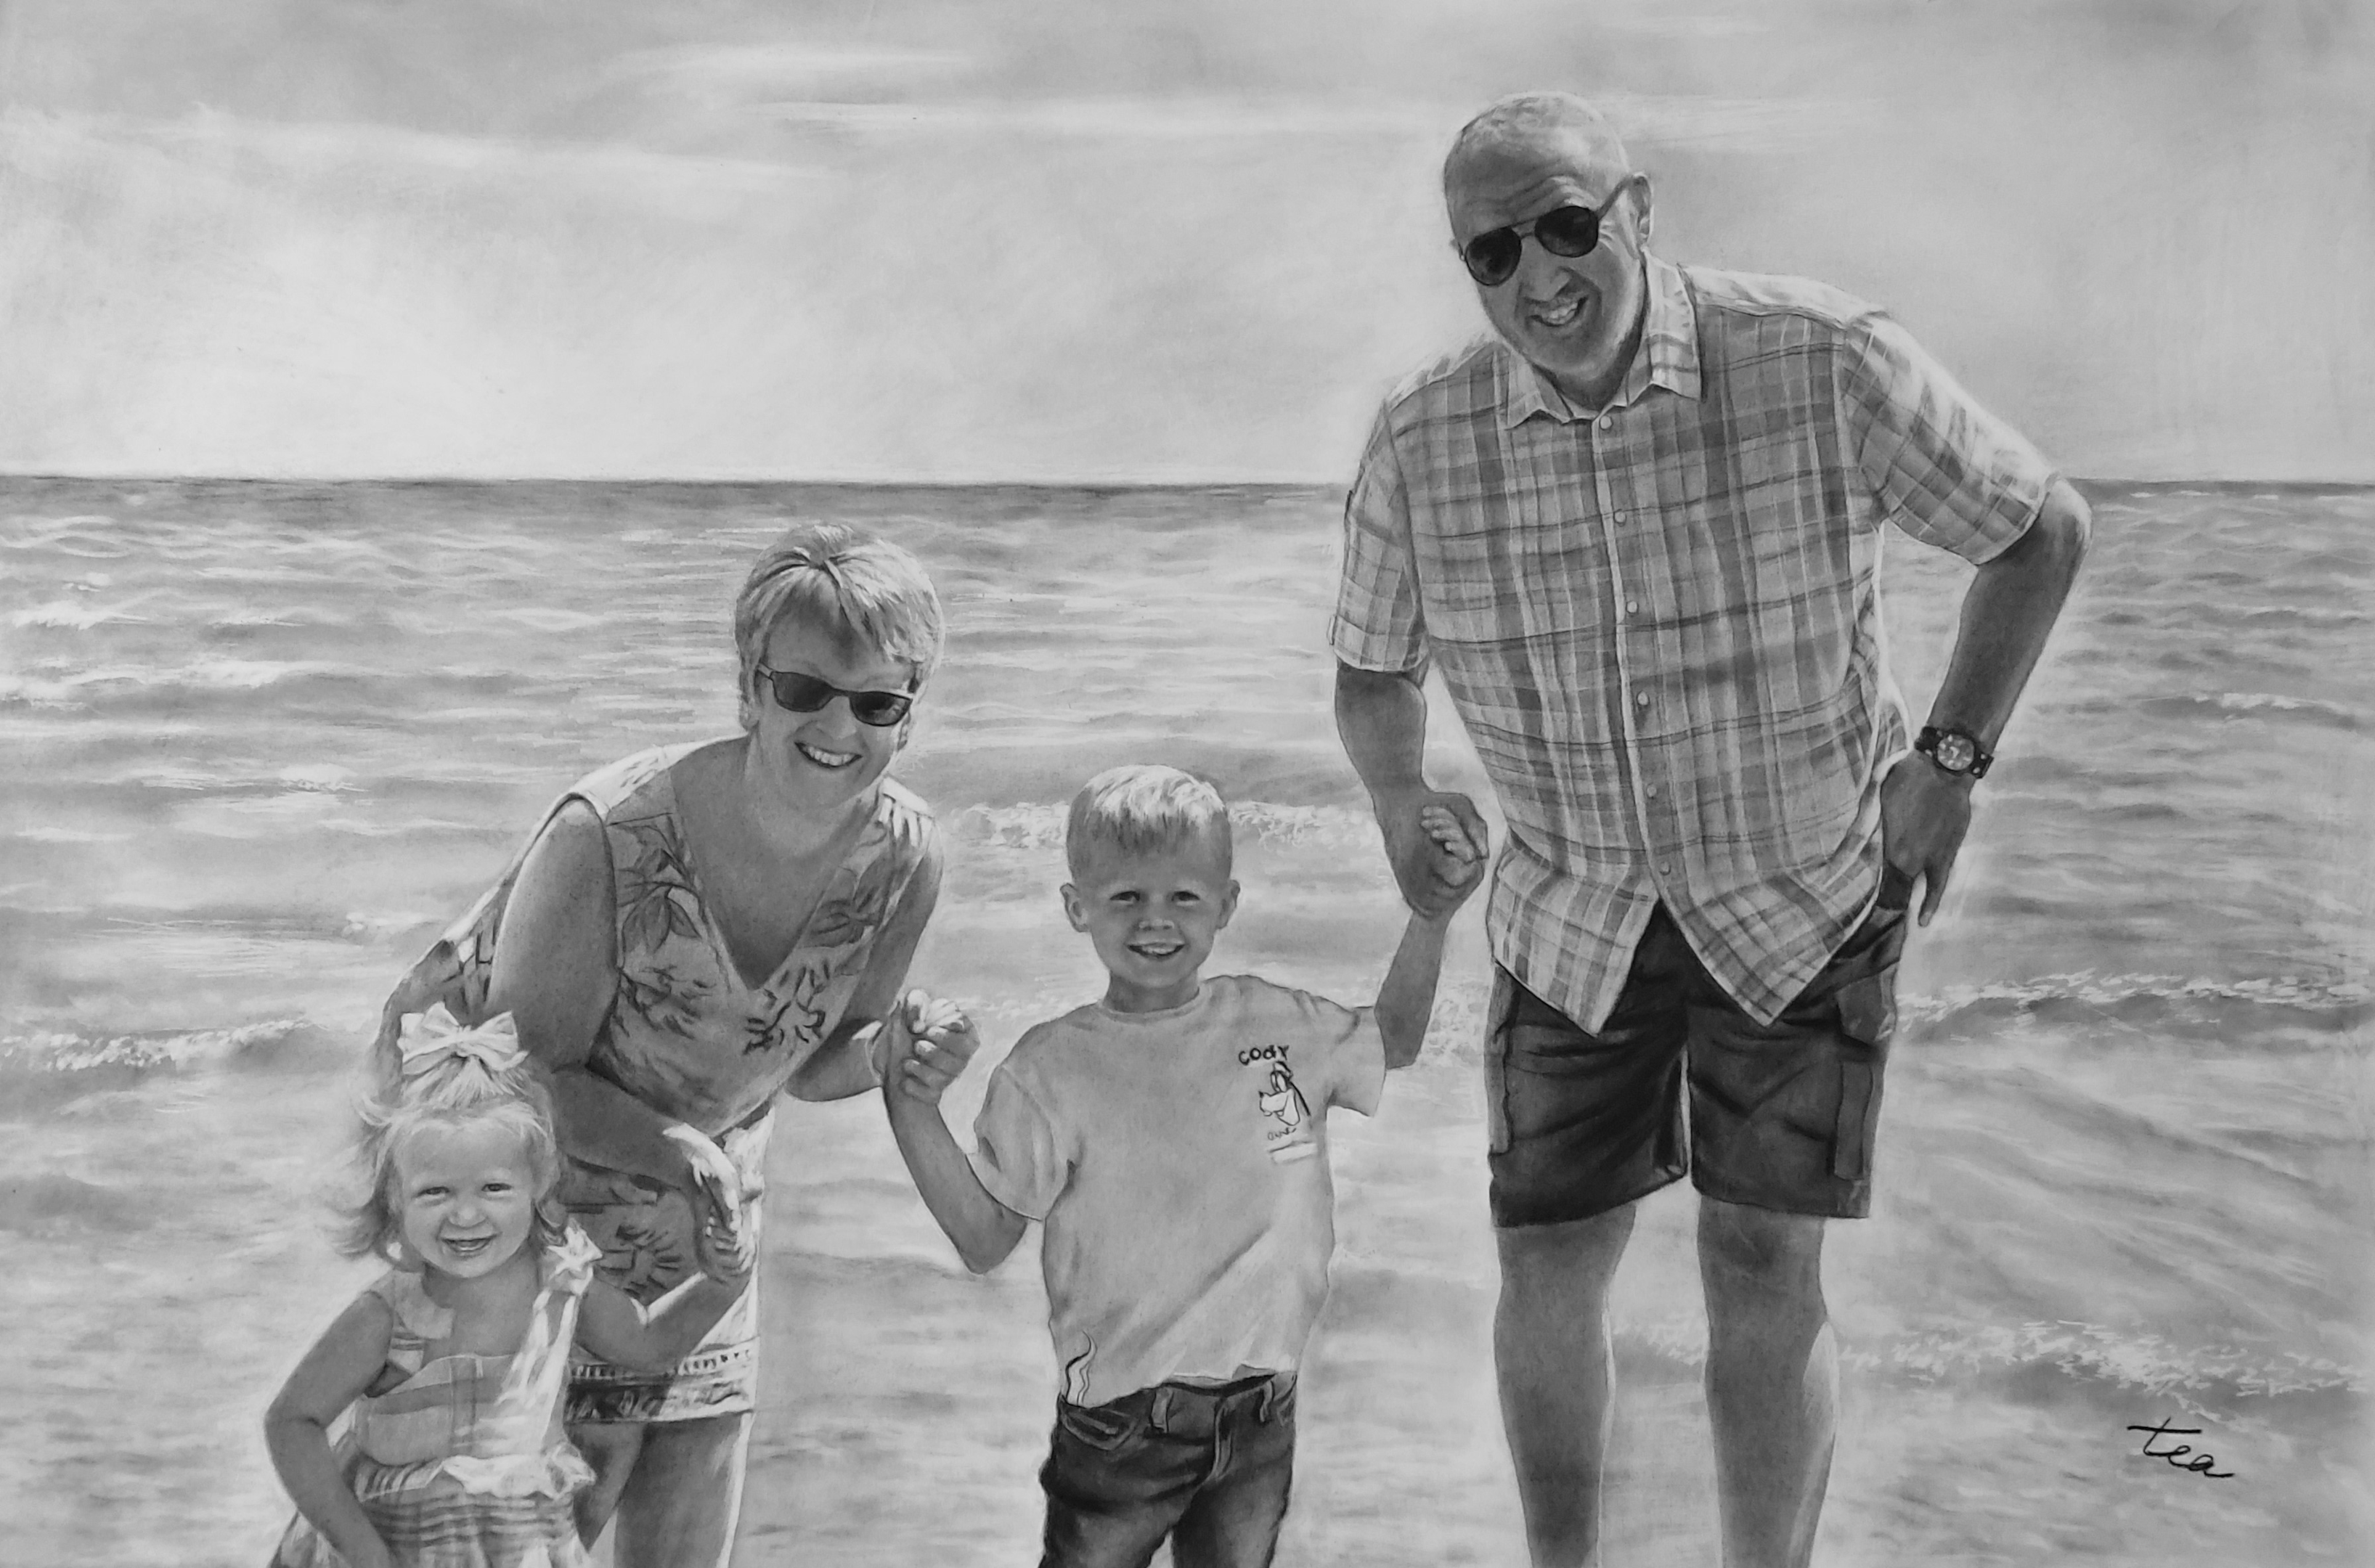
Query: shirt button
[(1608, 421), (1651, 792), (1632, 607), (1666, 869), (1620, 519), (1640, 699)]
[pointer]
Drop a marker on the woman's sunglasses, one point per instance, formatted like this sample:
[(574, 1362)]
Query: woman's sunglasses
[(798, 693), (1492, 256)]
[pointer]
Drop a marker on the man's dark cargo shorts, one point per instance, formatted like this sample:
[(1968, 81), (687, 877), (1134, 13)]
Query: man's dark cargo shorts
[(1781, 1115)]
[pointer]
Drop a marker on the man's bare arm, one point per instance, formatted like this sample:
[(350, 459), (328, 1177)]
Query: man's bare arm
[(2008, 613), (1381, 718)]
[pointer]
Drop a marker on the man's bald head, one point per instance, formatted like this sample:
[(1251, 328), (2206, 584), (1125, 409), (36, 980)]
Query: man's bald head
[(1573, 314), (1535, 129)]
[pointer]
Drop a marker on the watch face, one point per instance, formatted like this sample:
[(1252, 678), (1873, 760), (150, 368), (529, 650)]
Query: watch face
[(1955, 753)]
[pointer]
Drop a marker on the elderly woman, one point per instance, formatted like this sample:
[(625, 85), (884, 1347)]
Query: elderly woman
[(690, 930)]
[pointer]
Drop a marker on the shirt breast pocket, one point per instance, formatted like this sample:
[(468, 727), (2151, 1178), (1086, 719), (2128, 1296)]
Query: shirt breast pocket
[(1520, 580)]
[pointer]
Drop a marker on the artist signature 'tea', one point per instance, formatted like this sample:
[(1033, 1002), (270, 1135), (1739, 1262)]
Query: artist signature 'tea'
[(2199, 1464)]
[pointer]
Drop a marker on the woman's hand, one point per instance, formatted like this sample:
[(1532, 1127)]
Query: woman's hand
[(724, 1246), (722, 1235), (928, 1042)]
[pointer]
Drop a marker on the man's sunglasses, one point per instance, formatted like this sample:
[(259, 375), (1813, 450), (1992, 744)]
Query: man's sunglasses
[(1571, 230), (798, 693)]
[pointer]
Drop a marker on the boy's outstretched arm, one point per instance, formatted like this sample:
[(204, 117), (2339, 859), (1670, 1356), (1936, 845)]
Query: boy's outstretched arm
[(1406, 1000), (984, 1230)]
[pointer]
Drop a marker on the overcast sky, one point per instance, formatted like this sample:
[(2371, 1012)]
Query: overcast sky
[(1012, 239)]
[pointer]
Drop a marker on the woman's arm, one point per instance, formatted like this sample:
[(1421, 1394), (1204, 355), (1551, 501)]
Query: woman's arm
[(333, 1375), (556, 972), (846, 1064)]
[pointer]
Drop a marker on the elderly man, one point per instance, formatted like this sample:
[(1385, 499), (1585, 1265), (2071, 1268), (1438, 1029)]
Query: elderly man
[(1640, 534)]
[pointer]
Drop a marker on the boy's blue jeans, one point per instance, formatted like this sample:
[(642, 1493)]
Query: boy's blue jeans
[(1210, 1467)]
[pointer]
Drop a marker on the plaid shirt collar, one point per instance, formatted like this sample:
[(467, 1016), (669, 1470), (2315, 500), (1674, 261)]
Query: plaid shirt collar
[(1668, 356)]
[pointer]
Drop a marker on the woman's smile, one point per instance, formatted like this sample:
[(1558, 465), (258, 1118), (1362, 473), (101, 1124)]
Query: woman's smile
[(822, 757)]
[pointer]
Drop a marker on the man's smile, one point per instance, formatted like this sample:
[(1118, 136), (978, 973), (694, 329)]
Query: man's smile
[(1556, 314)]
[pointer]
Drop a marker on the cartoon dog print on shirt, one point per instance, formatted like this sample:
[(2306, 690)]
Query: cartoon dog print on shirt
[(1286, 1114)]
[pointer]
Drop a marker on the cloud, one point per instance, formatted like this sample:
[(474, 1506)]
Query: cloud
[(794, 67), (1705, 122), (1063, 241)]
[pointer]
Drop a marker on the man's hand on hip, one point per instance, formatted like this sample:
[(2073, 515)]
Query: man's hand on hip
[(1432, 870), (1923, 815)]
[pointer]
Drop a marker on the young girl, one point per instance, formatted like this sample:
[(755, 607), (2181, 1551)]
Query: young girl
[(455, 1363)]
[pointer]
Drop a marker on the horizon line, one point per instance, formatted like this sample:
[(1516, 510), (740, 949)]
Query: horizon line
[(9, 476)]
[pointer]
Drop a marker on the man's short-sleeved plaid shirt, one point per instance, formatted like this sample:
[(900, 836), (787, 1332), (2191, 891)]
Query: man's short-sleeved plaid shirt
[(1659, 621)]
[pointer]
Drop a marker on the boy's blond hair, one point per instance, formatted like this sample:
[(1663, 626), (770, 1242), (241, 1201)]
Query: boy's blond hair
[(1140, 807)]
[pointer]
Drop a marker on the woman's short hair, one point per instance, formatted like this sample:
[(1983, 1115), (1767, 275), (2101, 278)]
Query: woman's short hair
[(863, 590), (1138, 808)]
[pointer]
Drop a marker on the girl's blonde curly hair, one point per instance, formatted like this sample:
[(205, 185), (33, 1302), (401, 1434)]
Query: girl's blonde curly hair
[(458, 1089)]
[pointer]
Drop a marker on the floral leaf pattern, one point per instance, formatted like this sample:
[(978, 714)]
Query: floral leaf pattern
[(851, 916), (796, 1013), (646, 1231), (655, 895)]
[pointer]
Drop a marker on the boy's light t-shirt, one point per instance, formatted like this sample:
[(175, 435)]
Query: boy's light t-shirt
[(1178, 1162)]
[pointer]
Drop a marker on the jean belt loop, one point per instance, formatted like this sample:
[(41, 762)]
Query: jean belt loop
[(1270, 1397), (1158, 1414)]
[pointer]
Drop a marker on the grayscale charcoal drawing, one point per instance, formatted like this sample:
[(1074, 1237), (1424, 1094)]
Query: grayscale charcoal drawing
[(395, 395)]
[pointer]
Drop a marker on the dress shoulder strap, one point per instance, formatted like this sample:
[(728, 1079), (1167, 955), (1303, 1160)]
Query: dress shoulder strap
[(568, 1264), (607, 787), (908, 821)]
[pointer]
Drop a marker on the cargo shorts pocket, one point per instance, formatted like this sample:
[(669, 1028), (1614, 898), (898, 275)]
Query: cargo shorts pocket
[(1496, 1064), (1867, 1024)]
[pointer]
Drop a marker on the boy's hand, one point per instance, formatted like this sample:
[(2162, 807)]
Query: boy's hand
[(1458, 854), (930, 1040), (1423, 869)]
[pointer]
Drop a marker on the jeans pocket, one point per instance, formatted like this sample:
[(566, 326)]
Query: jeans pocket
[(1102, 1427)]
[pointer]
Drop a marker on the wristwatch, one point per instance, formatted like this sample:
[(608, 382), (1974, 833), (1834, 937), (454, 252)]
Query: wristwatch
[(1954, 751)]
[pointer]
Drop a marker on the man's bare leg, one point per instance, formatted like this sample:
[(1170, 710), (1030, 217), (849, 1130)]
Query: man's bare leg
[(1550, 1348), (1772, 1379)]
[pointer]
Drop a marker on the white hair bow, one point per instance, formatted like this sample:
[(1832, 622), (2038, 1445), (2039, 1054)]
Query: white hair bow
[(428, 1040)]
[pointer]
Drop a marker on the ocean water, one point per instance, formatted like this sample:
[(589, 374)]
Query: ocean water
[(257, 742)]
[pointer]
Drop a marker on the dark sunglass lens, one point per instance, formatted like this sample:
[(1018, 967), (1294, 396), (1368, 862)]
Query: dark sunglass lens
[(879, 707), (798, 694), (1568, 230), (1493, 257)]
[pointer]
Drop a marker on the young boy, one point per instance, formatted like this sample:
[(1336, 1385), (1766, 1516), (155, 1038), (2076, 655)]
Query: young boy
[(1172, 1138)]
